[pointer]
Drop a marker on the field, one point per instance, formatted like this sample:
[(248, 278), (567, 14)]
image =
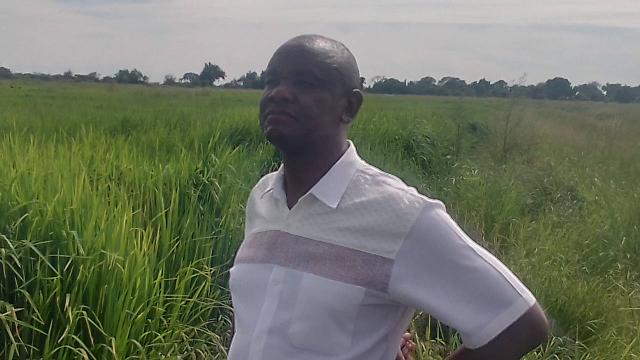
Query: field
[(121, 208)]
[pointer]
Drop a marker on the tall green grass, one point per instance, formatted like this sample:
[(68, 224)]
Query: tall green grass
[(121, 209)]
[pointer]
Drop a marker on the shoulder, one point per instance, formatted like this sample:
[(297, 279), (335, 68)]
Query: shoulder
[(256, 209), (375, 213), (264, 183), (381, 187)]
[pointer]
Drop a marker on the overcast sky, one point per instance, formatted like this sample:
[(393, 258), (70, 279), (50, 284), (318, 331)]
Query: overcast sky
[(583, 40)]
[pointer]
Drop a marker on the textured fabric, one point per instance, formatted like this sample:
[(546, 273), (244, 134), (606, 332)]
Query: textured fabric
[(440, 270), (338, 275), (316, 257)]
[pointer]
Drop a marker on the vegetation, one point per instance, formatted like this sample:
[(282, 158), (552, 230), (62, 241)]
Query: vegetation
[(121, 208), (208, 76), (250, 80), (557, 88), (130, 77)]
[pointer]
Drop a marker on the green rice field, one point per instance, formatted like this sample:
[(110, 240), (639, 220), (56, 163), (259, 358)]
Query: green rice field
[(121, 208)]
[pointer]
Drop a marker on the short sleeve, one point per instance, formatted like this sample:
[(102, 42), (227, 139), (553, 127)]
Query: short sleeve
[(441, 271), (249, 209)]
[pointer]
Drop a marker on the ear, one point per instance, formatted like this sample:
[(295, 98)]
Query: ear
[(354, 102)]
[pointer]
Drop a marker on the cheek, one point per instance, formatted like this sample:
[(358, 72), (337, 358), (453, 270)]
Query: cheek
[(324, 109)]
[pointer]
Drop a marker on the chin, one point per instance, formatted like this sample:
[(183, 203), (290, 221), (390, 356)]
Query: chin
[(284, 142)]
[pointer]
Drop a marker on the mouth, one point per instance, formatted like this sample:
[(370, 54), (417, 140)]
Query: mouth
[(277, 115)]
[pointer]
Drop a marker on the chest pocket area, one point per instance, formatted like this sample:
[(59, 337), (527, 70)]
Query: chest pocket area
[(324, 315)]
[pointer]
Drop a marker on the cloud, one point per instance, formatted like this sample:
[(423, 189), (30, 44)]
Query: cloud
[(499, 39), (90, 3), (619, 13)]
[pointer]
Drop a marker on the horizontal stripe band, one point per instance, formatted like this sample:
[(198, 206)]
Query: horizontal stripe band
[(323, 259)]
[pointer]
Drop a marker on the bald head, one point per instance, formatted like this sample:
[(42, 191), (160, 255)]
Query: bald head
[(311, 95), (328, 51)]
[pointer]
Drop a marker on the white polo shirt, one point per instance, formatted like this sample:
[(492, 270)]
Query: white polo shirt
[(339, 275)]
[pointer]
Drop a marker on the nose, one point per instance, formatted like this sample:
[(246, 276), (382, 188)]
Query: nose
[(281, 93)]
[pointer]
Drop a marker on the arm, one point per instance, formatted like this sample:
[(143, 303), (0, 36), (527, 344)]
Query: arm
[(527, 332), (440, 270)]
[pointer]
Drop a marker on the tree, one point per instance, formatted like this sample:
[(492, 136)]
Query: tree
[(91, 77), (589, 92), (636, 93), (130, 77), (169, 80), (233, 84), (481, 87), (389, 86), (211, 73), (424, 86), (251, 80), (122, 76), (500, 88), (68, 74), (621, 93), (375, 79), (558, 89), (190, 78), (522, 91), (5, 73), (538, 91), (454, 86)]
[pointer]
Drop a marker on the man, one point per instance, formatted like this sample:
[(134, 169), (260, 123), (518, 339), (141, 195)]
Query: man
[(337, 254)]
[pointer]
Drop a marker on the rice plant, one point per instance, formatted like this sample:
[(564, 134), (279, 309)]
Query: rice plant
[(121, 209)]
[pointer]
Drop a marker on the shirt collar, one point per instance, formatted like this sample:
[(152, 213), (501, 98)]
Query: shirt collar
[(331, 187)]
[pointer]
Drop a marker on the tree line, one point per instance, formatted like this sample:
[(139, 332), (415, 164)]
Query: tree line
[(209, 75), (557, 88)]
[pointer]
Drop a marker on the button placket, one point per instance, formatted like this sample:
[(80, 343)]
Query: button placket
[(268, 312)]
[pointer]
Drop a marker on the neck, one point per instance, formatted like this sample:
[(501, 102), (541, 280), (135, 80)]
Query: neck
[(304, 168)]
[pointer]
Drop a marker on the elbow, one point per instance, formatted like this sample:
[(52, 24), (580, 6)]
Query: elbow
[(525, 334), (539, 326), (534, 330)]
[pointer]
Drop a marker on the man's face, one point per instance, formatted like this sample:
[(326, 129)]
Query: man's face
[(303, 99)]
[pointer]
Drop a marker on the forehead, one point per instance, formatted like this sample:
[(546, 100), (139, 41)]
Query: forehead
[(300, 61)]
